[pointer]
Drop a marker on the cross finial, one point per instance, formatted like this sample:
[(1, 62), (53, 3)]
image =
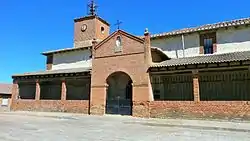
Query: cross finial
[(118, 24), (92, 8)]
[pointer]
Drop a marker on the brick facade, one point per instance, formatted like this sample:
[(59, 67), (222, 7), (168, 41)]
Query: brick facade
[(72, 106), (143, 106), (204, 109), (131, 61), (93, 30)]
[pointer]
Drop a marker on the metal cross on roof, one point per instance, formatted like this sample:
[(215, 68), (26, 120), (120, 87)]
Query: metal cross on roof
[(92, 8), (118, 24)]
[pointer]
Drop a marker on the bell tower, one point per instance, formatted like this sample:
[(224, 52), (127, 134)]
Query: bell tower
[(90, 27)]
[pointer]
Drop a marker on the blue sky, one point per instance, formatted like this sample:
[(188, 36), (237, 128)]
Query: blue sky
[(29, 27)]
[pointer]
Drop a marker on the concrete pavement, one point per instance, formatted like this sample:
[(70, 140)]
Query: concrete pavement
[(30, 126)]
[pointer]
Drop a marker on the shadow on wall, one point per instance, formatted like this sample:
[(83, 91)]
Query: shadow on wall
[(233, 36), (173, 46), (72, 57)]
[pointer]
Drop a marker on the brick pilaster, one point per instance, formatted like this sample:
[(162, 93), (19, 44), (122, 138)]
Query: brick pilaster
[(64, 90), (38, 90), (147, 48), (94, 43), (196, 88), (98, 99)]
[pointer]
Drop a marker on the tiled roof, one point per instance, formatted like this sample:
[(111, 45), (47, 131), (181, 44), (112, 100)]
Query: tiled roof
[(61, 71), (5, 88), (64, 50), (238, 22), (216, 58)]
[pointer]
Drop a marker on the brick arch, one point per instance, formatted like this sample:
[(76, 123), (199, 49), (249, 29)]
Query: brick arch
[(119, 72), (119, 94)]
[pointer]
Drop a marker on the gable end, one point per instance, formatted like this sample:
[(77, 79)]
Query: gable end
[(122, 33)]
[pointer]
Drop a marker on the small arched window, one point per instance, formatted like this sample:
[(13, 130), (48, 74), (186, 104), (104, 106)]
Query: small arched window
[(102, 30), (118, 44), (118, 41)]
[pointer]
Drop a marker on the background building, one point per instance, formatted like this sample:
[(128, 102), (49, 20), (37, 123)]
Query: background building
[(5, 95)]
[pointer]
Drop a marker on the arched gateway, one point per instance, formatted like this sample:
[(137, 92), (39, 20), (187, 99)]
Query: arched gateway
[(119, 94)]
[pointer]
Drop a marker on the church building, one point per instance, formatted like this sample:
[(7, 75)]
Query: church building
[(193, 72)]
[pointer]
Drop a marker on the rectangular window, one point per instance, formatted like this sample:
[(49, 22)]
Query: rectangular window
[(207, 41)]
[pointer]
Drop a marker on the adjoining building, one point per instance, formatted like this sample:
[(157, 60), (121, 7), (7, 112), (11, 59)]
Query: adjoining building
[(5, 94), (192, 72)]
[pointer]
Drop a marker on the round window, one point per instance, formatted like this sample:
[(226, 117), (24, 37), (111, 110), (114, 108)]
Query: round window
[(83, 27)]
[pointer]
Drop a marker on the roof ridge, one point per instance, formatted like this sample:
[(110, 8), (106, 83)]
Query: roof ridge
[(228, 23)]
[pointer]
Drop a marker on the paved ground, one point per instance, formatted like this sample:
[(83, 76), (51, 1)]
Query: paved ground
[(26, 126)]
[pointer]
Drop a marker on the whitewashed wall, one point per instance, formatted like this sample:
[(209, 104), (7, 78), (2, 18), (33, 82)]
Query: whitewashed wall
[(172, 46), (230, 40), (75, 59)]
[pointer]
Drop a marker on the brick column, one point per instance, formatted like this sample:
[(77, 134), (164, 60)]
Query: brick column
[(15, 92), (14, 96), (64, 90), (196, 88), (38, 90)]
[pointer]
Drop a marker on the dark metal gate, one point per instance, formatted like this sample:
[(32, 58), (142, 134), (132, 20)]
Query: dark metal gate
[(119, 106), (119, 94)]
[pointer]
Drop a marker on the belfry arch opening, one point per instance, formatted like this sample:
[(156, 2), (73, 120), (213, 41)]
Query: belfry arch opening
[(119, 94)]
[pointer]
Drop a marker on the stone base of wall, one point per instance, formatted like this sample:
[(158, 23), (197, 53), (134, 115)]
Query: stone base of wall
[(141, 109), (51, 106), (211, 109), (97, 109)]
